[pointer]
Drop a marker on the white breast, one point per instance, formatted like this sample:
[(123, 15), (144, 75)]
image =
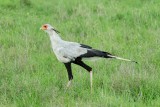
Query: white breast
[(60, 55)]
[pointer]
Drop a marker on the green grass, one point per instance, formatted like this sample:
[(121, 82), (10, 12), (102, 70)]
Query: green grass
[(31, 76)]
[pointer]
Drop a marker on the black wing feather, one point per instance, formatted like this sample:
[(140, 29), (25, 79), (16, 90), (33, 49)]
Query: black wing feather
[(85, 46), (95, 53)]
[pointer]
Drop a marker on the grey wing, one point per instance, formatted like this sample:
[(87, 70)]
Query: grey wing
[(73, 50)]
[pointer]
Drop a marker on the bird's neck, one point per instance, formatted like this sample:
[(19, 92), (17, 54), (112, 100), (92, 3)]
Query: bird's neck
[(55, 39), (54, 36)]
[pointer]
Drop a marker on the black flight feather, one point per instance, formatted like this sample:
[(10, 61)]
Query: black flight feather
[(85, 46), (95, 53)]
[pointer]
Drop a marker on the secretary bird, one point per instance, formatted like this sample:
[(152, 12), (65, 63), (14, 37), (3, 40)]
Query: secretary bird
[(72, 52)]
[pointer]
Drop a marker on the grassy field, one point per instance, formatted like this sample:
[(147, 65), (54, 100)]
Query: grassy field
[(31, 76)]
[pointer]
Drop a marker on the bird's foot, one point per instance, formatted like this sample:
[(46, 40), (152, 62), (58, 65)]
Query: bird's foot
[(69, 83)]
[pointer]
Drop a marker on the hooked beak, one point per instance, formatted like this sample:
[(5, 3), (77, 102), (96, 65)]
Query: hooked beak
[(43, 28)]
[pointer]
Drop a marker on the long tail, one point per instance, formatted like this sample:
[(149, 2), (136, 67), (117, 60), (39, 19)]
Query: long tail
[(97, 53), (116, 57)]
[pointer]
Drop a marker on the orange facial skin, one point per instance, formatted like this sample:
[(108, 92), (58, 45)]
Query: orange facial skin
[(44, 27)]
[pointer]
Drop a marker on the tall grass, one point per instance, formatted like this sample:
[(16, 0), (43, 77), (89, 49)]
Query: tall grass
[(30, 74)]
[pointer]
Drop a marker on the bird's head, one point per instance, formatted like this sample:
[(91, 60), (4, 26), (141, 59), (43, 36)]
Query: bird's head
[(48, 28)]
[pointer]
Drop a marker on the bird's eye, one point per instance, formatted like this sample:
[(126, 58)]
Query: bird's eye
[(45, 26)]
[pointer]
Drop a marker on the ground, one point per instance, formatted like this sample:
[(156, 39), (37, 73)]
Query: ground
[(31, 76)]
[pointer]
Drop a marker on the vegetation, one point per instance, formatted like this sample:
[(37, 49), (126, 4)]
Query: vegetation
[(31, 76)]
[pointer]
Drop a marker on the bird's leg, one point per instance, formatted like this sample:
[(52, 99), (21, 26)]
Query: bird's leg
[(69, 83), (88, 68), (91, 80), (69, 70)]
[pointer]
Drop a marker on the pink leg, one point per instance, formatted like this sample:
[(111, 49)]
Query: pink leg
[(91, 80), (69, 83)]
